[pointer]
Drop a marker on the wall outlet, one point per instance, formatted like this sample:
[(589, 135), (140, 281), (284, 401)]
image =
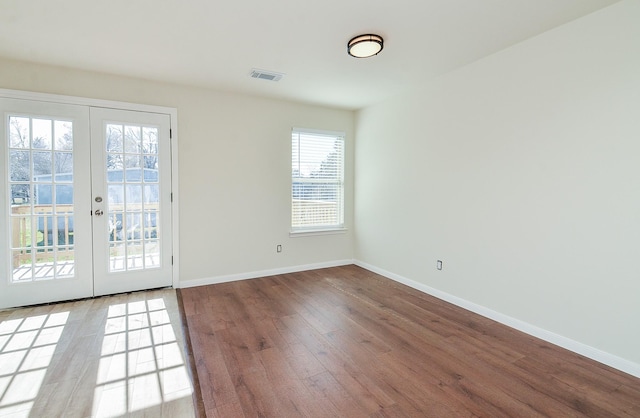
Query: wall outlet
[(439, 264), (278, 248)]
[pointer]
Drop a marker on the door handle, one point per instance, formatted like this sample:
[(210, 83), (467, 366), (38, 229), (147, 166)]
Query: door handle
[(98, 212)]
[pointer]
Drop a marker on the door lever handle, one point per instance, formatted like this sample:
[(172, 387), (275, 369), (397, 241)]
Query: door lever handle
[(98, 212)]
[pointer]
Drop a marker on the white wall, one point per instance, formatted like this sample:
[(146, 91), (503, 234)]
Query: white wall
[(234, 169), (522, 173)]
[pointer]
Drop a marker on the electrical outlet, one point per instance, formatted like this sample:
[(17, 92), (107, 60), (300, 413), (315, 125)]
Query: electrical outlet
[(278, 248), (439, 264)]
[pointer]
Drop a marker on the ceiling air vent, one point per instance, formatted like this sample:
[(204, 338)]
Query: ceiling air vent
[(266, 75)]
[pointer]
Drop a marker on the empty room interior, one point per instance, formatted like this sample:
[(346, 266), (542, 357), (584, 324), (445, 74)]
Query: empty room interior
[(320, 209)]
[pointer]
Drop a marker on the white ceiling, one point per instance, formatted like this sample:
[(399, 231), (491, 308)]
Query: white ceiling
[(214, 43)]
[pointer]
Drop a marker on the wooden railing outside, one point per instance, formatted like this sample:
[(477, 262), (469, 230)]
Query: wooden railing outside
[(55, 231), (313, 212), (22, 231)]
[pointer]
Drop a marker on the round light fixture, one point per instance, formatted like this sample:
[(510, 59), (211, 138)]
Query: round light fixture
[(364, 46)]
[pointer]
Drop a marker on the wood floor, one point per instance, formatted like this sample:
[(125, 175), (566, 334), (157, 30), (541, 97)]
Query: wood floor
[(117, 356), (344, 342)]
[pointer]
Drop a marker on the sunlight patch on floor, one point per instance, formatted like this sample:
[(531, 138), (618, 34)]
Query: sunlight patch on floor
[(27, 346), (141, 364)]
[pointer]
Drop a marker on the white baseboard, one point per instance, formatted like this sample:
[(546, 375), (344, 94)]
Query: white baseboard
[(564, 342), (263, 273)]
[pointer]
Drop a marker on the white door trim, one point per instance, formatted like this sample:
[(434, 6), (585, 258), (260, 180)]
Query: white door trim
[(173, 114)]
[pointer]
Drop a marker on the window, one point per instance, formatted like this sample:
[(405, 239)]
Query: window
[(317, 180)]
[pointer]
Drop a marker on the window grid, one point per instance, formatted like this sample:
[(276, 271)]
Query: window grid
[(41, 197), (133, 197)]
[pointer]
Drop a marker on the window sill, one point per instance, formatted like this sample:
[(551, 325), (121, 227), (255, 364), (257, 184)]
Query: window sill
[(313, 232)]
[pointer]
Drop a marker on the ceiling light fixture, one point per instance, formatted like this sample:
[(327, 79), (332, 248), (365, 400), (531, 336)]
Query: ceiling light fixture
[(364, 46)]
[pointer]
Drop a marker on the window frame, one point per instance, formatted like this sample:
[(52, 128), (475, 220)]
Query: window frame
[(339, 181)]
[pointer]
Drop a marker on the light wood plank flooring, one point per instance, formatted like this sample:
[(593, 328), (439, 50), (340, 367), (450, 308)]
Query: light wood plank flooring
[(344, 342), (105, 357)]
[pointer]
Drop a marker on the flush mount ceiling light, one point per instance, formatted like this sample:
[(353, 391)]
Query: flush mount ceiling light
[(364, 46)]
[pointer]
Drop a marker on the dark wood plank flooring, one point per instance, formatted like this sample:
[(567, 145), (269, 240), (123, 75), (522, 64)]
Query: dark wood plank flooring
[(345, 342)]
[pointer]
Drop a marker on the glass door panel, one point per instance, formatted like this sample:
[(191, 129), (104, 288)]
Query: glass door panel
[(42, 207), (133, 196)]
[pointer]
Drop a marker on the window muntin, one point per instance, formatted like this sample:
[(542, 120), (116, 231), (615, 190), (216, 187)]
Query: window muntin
[(41, 203)]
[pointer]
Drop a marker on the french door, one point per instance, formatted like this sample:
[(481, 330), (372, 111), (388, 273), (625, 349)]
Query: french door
[(85, 208), (131, 201)]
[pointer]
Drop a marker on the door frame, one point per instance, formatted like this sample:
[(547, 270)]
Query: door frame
[(173, 115)]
